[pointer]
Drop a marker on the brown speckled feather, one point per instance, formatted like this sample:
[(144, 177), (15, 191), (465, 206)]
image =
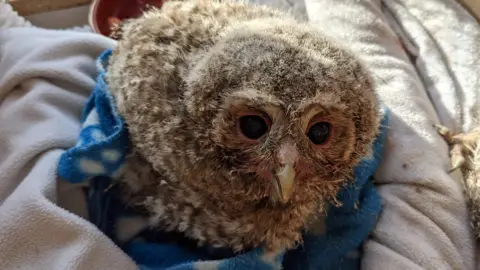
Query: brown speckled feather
[(182, 75), (465, 155)]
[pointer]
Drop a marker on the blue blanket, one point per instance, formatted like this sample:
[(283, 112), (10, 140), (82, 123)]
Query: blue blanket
[(100, 153)]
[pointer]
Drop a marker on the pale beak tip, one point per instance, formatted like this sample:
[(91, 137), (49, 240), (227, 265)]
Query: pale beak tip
[(284, 180)]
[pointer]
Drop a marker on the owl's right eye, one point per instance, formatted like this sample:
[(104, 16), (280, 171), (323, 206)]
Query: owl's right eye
[(253, 126)]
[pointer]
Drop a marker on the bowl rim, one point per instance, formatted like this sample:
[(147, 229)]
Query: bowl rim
[(92, 14)]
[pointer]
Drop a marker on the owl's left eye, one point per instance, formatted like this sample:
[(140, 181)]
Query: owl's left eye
[(319, 133)]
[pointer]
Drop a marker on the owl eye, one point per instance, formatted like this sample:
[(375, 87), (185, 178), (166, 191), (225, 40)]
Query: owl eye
[(319, 133), (253, 126)]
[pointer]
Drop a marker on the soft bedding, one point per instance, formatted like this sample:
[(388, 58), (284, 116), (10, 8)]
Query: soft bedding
[(423, 56)]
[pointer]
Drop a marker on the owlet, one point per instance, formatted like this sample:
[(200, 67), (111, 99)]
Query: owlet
[(244, 122)]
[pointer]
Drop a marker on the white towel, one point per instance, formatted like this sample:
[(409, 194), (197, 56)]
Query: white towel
[(45, 77)]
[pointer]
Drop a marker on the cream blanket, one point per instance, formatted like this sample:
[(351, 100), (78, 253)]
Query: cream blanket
[(45, 77), (436, 80)]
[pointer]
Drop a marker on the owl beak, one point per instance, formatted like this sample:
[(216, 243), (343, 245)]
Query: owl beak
[(283, 181)]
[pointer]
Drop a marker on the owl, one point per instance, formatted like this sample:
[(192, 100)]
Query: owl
[(244, 122), (465, 155)]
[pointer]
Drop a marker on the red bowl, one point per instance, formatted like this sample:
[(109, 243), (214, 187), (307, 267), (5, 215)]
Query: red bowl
[(104, 14)]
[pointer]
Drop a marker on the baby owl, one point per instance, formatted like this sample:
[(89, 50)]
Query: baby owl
[(243, 121)]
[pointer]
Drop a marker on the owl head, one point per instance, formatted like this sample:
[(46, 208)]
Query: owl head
[(254, 123), (281, 105)]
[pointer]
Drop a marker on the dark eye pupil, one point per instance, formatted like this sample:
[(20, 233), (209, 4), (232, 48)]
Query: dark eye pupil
[(319, 133), (253, 126)]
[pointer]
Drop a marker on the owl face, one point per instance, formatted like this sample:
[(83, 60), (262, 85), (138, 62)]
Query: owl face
[(289, 144), (288, 114)]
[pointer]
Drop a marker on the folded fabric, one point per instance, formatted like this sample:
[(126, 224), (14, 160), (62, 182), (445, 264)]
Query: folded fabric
[(100, 153), (44, 85)]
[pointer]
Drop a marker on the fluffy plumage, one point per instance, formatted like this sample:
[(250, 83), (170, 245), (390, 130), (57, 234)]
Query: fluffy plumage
[(182, 77), (465, 155)]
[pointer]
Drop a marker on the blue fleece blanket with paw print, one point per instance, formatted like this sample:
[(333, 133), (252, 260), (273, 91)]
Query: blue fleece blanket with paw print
[(100, 152)]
